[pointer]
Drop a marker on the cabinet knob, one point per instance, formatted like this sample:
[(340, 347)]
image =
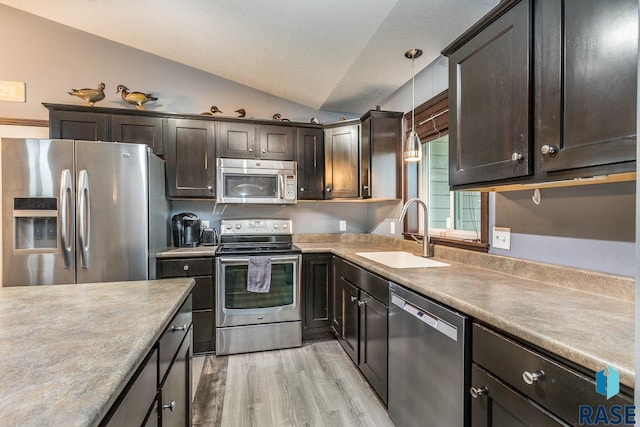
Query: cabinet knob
[(366, 187), (178, 328), (479, 391), (251, 150), (264, 150), (301, 188), (361, 303), (186, 268), (210, 187), (171, 406), (531, 378), (353, 299), (548, 150), (516, 157), (328, 189)]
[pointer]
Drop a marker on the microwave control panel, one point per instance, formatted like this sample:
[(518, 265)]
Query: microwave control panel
[(290, 187)]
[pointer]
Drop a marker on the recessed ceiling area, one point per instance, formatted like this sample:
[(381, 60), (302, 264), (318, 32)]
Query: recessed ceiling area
[(331, 55)]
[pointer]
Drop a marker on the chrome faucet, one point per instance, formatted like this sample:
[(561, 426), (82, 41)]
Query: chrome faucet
[(425, 240)]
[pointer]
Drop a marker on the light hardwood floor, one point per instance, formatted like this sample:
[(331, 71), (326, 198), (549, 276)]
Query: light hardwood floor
[(314, 385)]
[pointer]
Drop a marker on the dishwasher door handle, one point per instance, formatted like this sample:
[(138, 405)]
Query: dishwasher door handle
[(424, 316)]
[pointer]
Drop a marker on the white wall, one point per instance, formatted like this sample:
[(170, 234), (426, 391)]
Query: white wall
[(52, 59)]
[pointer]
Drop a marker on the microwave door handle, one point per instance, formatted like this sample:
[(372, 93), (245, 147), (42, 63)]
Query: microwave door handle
[(281, 175), (65, 212)]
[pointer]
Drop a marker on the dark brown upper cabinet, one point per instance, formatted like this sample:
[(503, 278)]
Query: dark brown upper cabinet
[(105, 124), (310, 158), (139, 130), (586, 80), (380, 155), (544, 90), (489, 108), (251, 141), (190, 156), (342, 155), (84, 125)]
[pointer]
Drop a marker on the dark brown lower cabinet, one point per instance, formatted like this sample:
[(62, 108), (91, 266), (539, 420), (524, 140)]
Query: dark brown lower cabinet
[(360, 321), (515, 385), (317, 276), (175, 392), (201, 270)]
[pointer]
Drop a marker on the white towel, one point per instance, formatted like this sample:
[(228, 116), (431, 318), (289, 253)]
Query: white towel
[(259, 274)]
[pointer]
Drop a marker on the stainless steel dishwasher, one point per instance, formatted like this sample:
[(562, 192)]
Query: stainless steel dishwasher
[(428, 362)]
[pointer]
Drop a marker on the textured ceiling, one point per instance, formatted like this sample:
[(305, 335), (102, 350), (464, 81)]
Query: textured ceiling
[(334, 55)]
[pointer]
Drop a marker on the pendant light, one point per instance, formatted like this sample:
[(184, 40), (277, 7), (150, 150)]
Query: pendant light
[(412, 151)]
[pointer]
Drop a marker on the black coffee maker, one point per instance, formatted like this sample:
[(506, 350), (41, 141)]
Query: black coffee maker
[(187, 229)]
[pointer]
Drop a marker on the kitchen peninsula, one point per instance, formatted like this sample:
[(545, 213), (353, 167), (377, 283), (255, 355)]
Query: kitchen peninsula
[(69, 351)]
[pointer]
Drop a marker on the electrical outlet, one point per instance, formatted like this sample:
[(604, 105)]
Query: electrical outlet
[(205, 224), (392, 227), (502, 238), (343, 225)]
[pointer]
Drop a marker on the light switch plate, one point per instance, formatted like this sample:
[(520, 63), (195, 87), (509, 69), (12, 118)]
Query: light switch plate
[(205, 223), (343, 225), (392, 227), (501, 238)]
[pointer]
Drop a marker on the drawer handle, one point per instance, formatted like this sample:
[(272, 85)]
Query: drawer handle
[(531, 378), (353, 299), (178, 328), (185, 268), (477, 392), (171, 406)]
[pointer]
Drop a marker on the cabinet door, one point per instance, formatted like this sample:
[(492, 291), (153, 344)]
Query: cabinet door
[(175, 394), (237, 140), (498, 405), (204, 331), (310, 157), (77, 125), (373, 343), (341, 162), (489, 93), (348, 335), (139, 130), (587, 79), (366, 138), (316, 296), (276, 142), (190, 156)]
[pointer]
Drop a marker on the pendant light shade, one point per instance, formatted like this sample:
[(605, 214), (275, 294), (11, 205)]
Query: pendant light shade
[(412, 151)]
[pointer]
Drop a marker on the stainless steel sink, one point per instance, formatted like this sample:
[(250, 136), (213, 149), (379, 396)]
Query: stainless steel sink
[(399, 259)]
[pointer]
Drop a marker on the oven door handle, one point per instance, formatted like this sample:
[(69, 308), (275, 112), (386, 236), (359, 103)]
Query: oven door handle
[(276, 258)]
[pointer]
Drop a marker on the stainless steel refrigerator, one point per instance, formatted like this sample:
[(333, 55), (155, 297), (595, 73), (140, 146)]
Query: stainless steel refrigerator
[(80, 211)]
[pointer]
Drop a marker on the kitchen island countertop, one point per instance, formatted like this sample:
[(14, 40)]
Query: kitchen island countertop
[(68, 351), (582, 327)]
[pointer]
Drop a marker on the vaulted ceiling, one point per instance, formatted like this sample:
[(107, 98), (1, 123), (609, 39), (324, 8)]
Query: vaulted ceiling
[(333, 55)]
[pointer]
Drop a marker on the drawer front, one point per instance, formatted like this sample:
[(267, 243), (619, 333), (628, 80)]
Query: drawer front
[(172, 337), (370, 283), (185, 267), (203, 293), (559, 389), (133, 409)]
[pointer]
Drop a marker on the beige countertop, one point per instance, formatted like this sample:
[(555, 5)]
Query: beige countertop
[(581, 326), (67, 351), (198, 251)]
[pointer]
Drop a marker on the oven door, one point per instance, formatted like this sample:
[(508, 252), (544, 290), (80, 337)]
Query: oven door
[(236, 306)]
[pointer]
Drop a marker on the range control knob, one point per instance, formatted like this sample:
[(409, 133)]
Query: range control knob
[(275, 226), (228, 227), (238, 226), (285, 226)]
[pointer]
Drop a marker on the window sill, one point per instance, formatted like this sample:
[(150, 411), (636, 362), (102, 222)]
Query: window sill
[(456, 243)]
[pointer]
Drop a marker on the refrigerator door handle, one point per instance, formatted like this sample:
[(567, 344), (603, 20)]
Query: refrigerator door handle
[(65, 211), (84, 217)]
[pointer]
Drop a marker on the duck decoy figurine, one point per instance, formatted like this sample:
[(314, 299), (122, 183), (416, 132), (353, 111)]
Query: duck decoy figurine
[(135, 98), (241, 112), (90, 96), (212, 111), (278, 118)]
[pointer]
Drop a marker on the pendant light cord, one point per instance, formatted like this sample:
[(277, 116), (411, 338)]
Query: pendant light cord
[(413, 96)]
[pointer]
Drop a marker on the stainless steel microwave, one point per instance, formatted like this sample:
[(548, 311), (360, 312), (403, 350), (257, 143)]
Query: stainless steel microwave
[(256, 181)]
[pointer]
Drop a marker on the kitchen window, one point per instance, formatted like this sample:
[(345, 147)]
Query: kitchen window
[(456, 218)]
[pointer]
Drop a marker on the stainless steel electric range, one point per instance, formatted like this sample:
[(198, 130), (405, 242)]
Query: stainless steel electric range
[(249, 321)]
